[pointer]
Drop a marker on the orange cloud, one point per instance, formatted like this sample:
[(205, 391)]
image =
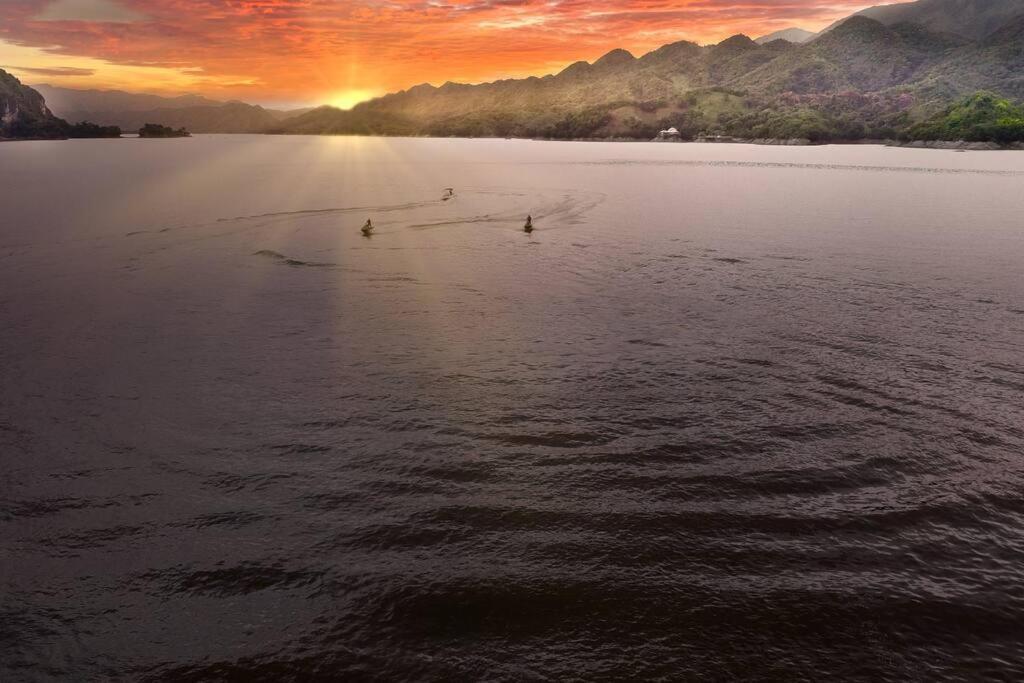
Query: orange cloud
[(57, 71), (321, 50)]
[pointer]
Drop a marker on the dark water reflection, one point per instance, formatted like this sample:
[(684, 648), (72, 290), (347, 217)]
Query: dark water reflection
[(729, 412)]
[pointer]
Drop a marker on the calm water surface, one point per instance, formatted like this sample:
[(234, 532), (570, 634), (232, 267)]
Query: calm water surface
[(730, 412)]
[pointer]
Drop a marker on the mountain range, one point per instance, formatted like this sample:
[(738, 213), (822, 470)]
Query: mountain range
[(875, 74), (863, 77)]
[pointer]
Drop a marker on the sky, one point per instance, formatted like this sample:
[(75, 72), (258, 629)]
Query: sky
[(309, 52)]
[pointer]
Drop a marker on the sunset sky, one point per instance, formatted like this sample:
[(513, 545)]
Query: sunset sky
[(300, 52)]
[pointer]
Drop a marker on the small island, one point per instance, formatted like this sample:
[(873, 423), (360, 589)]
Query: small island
[(155, 130)]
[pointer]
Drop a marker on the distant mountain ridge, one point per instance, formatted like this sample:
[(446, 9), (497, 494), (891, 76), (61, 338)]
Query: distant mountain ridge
[(131, 111), (232, 117), (69, 99), (790, 35)]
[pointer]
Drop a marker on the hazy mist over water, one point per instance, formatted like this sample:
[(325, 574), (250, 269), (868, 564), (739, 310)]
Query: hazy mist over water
[(731, 411)]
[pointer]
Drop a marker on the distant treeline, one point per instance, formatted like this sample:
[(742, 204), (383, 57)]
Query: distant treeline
[(54, 128), (847, 116), (155, 130), (85, 129)]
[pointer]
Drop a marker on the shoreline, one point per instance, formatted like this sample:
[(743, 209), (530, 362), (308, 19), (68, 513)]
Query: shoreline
[(949, 145), (771, 142), (961, 145)]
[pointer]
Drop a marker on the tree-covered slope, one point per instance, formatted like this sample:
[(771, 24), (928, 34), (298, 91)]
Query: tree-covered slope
[(861, 79), (973, 19), (861, 55), (980, 117)]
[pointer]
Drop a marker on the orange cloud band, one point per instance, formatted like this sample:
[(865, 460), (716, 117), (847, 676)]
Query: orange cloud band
[(311, 50)]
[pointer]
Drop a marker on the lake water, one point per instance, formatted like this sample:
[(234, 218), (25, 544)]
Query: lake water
[(731, 411)]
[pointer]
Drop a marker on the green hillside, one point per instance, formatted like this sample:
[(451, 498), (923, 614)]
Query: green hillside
[(980, 117), (862, 79)]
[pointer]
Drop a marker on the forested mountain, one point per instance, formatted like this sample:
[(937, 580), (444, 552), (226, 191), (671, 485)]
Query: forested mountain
[(972, 19), (863, 78)]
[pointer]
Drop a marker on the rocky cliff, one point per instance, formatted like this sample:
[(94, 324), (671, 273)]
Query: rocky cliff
[(23, 112)]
